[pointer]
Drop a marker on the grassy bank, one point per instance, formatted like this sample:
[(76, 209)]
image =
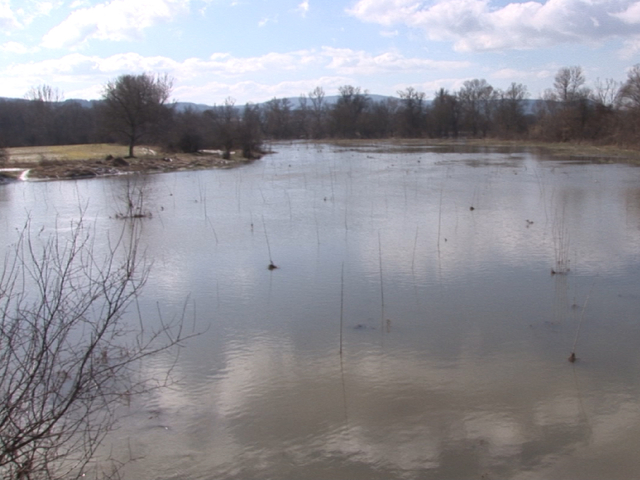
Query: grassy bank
[(586, 151), (87, 161), (34, 155)]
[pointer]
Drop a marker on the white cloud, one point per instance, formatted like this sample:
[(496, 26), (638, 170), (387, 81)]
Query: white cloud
[(216, 92), (266, 20), (115, 20), (631, 14), (22, 16), (389, 33), (220, 64), (477, 25), (15, 47), (8, 19), (351, 62), (225, 64), (44, 8), (630, 48), (257, 78), (511, 74), (303, 8), (77, 68)]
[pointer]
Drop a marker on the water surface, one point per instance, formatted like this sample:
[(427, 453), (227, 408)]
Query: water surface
[(455, 334)]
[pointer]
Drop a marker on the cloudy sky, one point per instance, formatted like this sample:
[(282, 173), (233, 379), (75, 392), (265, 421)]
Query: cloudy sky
[(254, 50)]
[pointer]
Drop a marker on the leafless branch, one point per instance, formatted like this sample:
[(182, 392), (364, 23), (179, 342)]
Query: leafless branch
[(69, 356)]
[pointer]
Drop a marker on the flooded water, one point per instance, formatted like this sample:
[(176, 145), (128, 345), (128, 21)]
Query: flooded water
[(431, 270)]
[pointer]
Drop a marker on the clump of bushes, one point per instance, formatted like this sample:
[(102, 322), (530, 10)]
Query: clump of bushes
[(4, 156)]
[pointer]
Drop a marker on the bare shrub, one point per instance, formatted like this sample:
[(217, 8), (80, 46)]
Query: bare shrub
[(69, 355), (134, 199)]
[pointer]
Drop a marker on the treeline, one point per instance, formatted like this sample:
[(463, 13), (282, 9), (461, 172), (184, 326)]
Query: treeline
[(569, 111)]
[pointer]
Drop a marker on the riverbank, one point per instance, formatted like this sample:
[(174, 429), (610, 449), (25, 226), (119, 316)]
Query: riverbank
[(88, 161), (569, 151)]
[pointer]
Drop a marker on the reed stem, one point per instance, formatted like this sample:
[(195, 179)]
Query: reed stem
[(268, 246), (341, 305), (381, 281), (572, 357), (415, 245), (440, 215)]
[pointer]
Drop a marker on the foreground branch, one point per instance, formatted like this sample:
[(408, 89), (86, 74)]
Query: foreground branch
[(68, 354)]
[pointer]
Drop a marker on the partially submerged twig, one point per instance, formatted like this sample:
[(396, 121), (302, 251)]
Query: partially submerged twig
[(572, 357), (272, 266), (341, 305)]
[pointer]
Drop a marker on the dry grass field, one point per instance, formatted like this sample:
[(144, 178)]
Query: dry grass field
[(93, 160), (36, 155)]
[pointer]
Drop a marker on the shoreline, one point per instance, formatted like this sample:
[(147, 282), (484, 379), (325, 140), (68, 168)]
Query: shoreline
[(566, 150), (53, 165), (75, 162)]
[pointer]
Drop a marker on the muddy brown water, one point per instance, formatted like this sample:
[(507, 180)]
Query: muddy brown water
[(455, 333)]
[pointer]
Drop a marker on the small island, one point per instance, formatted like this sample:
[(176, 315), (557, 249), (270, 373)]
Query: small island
[(89, 161)]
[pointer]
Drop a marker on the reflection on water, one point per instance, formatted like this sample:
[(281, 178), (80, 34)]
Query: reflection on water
[(456, 334)]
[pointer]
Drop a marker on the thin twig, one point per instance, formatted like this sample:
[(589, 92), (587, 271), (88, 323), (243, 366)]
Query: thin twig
[(415, 245), (341, 305), (381, 282), (440, 216), (267, 237)]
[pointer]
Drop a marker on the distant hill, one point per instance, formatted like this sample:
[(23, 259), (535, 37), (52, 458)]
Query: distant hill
[(530, 105), (82, 103), (294, 101), (196, 107)]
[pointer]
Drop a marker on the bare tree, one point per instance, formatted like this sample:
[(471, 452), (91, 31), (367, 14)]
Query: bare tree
[(630, 91), (318, 112), (68, 353), (379, 121), (135, 105), (189, 131), (567, 113), (346, 113), (412, 113), (249, 132), (224, 122), (629, 103), (569, 85), (278, 118), (44, 93), (301, 117), (445, 113), (509, 117), (477, 99), (42, 108), (606, 93)]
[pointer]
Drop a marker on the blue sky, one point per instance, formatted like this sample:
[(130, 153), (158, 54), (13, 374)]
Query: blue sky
[(255, 50)]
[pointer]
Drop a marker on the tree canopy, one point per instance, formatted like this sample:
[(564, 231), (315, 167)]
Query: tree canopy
[(135, 105)]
